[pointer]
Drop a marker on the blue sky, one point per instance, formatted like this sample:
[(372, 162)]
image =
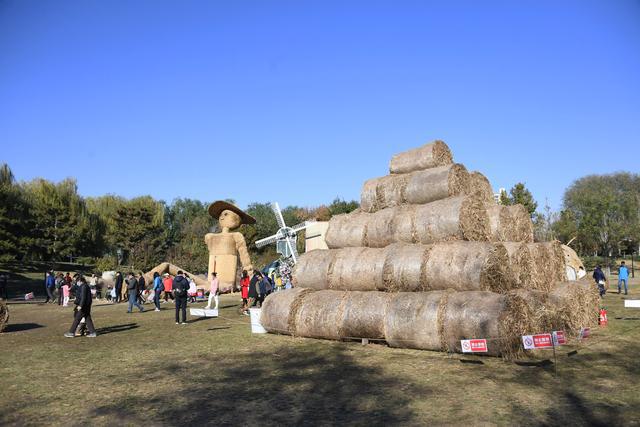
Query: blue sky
[(300, 102)]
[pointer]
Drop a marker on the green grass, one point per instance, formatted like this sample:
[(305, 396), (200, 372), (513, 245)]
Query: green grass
[(144, 369)]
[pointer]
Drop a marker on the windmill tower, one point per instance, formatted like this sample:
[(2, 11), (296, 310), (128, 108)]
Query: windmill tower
[(285, 238)]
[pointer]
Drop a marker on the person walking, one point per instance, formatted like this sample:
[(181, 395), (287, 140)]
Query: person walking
[(600, 279), (213, 290), (132, 287), (142, 285), (244, 291), (158, 288), (65, 291), (623, 277), (180, 288), (118, 286), (254, 289), (82, 310), (262, 289), (168, 287), (50, 285)]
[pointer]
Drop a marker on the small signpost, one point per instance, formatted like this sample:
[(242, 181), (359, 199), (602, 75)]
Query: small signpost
[(559, 338), (585, 333), (474, 346), (537, 342)]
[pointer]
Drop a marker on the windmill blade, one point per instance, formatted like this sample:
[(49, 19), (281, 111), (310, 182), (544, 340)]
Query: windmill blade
[(266, 241), (292, 249), (276, 210), (302, 226)]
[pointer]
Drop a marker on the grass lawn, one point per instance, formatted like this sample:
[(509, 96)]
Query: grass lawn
[(142, 368)]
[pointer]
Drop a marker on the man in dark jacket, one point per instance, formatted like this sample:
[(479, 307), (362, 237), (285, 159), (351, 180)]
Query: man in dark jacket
[(83, 309), (600, 279), (50, 285), (180, 288), (141, 287), (132, 291), (118, 286)]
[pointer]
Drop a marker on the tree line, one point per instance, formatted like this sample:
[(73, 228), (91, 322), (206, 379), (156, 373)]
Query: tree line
[(45, 221)]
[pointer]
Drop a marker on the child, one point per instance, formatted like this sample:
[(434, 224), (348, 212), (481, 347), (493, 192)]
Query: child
[(65, 294)]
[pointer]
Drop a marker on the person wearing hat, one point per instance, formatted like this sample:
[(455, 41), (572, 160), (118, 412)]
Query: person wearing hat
[(226, 246)]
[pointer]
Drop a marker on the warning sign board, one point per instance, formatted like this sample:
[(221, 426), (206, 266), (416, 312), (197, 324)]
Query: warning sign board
[(535, 342), (474, 346), (559, 338), (584, 333)]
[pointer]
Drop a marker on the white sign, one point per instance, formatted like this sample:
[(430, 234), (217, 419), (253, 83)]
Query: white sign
[(201, 312), (632, 303), (534, 342), (474, 346)]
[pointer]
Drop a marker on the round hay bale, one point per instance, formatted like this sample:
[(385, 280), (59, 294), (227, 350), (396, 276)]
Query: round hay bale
[(405, 267), (357, 269), (501, 319), (428, 156), (403, 226), (455, 218), (278, 314), (320, 314), (414, 188), (4, 316), (556, 259), (521, 223), (542, 275), (575, 305), (312, 269), (364, 314), (538, 305), (479, 184), (347, 230), (500, 223), (379, 226), (468, 266), (521, 264), (412, 320)]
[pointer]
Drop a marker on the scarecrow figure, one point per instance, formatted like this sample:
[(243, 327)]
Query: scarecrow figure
[(226, 246)]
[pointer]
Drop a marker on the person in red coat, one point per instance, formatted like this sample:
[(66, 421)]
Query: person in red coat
[(244, 287)]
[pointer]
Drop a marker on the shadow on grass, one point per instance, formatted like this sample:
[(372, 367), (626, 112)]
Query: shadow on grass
[(284, 386), (21, 327), (116, 328)]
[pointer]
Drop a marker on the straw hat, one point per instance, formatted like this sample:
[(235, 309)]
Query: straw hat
[(216, 208)]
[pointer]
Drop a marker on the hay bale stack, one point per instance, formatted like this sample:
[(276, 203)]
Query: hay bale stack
[(4, 315), (480, 185), (364, 314), (501, 319), (413, 320), (574, 305), (430, 155), (556, 266), (539, 308), (541, 276), (320, 315), (521, 264), (414, 188), (408, 268), (279, 309), (347, 230), (500, 223), (521, 223), (468, 266)]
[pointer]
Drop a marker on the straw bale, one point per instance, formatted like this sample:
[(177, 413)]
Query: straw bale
[(556, 269), (4, 315), (364, 314), (403, 225), (480, 185), (405, 267), (542, 275), (501, 319), (320, 314), (501, 223), (380, 231), (312, 269), (468, 266), (539, 307), (428, 156), (357, 269), (412, 320), (522, 225), (521, 264), (455, 218), (575, 305), (347, 230), (277, 310), (414, 188)]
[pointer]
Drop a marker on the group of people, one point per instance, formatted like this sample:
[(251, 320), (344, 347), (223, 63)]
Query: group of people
[(60, 287), (256, 288), (601, 279)]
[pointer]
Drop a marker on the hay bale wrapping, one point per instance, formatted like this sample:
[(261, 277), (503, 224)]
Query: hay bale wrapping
[(500, 223), (430, 155), (4, 316), (521, 264), (478, 184), (278, 310), (414, 188), (412, 321), (575, 305), (347, 230)]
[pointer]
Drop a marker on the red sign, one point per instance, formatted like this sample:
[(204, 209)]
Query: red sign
[(534, 342), (559, 338), (474, 346), (585, 332)]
